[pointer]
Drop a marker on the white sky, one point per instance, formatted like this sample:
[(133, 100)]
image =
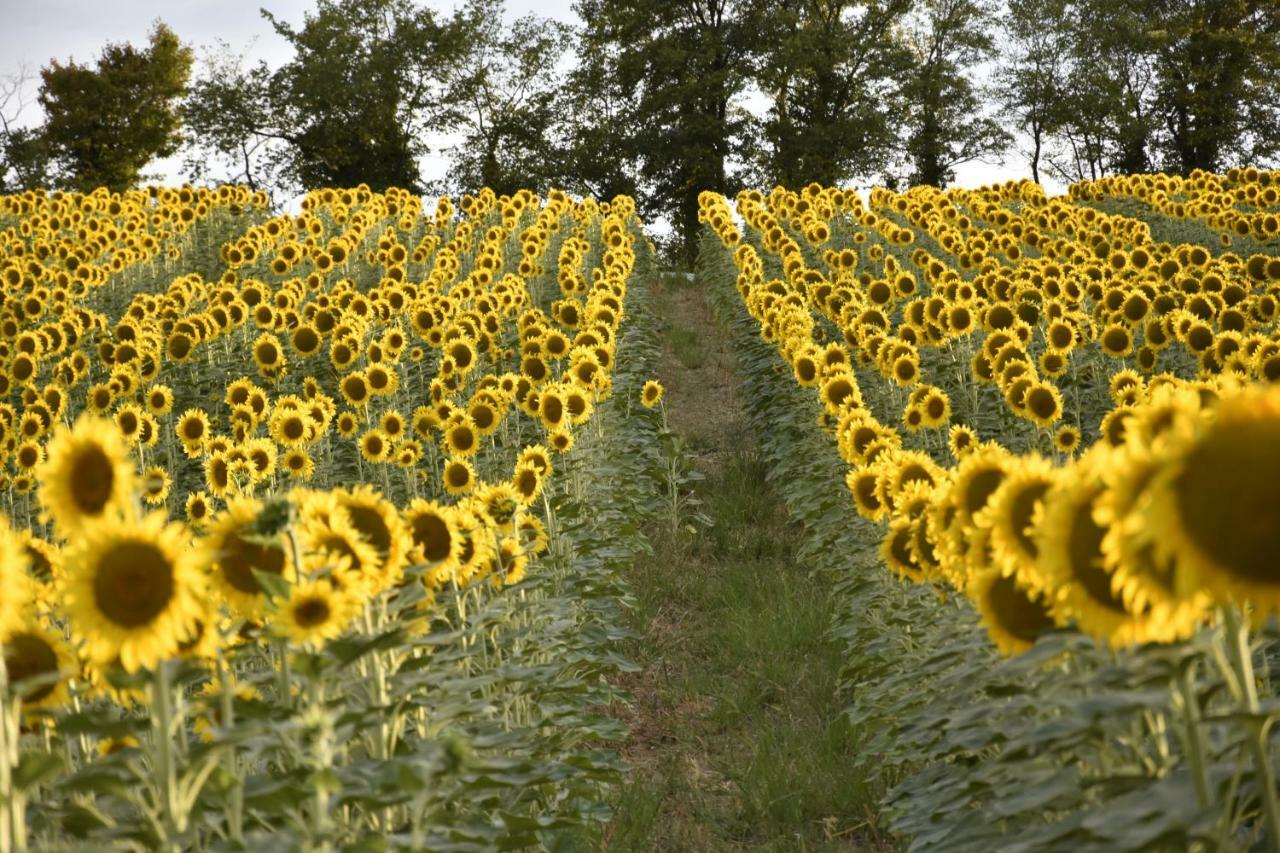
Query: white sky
[(37, 31)]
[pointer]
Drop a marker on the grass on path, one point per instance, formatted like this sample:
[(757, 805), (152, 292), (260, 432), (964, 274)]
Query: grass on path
[(737, 736)]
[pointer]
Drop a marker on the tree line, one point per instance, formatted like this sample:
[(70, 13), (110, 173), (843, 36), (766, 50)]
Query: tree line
[(662, 99)]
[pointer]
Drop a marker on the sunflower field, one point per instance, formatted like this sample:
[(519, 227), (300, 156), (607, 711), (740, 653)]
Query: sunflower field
[(320, 528), (1035, 443), (314, 521)]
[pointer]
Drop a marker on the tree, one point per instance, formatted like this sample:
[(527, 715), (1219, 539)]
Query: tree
[(24, 157), (828, 67), (105, 124), (229, 117), (369, 79), (511, 114), (597, 155), (684, 62), (945, 124), (1032, 77), (1217, 95)]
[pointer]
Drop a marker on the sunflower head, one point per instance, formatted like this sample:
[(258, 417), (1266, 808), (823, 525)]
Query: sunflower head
[(133, 590), (1216, 501), (87, 476)]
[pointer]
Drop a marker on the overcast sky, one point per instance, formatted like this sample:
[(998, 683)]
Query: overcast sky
[(37, 31)]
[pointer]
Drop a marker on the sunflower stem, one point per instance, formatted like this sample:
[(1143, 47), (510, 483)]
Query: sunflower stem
[(9, 817), (1257, 730), (235, 816), (1185, 686), (162, 733)]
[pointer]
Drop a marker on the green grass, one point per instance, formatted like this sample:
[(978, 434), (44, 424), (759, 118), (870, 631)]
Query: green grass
[(686, 345), (753, 751)]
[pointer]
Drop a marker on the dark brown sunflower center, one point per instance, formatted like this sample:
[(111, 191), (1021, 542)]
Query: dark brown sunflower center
[(240, 559), (1019, 614), (371, 526), (1228, 495), (311, 612), (433, 534), (92, 478), (133, 583), (28, 656), (1084, 549)]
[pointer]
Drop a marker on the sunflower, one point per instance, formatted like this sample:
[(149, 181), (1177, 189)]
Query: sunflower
[(355, 389), (290, 428), (551, 409), (459, 476), (976, 479), (133, 590), (510, 562), (43, 559), (234, 550), (28, 455), (156, 485), (537, 456), (192, 430), (961, 440), (198, 508), (348, 424), (896, 552), (378, 523), (561, 441), (159, 400), (1146, 581), (87, 476), (651, 393), (1214, 504), (1008, 515), (501, 504), (39, 664), (1067, 439), (435, 536), (1069, 543), (527, 481), (268, 355), (461, 438), (476, 543), (314, 613), (375, 446), (1042, 404), (862, 484), (1013, 616), (299, 464)]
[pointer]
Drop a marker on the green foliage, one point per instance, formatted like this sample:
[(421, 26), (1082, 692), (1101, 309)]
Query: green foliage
[(106, 123), (829, 69), (510, 78), (945, 125), (367, 80), (683, 64)]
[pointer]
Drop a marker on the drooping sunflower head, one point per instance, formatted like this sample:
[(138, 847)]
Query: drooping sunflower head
[(435, 536), (378, 524), (1216, 501), (39, 664), (88, 475), (1014, 616), (235, 548)]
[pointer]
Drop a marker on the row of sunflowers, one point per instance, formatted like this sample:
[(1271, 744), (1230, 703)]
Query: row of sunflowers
[(1054, 415), (251, 456)]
